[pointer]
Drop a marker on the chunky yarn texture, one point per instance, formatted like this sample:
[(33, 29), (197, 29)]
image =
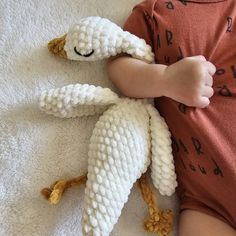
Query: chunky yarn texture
[(95, 38), (130, 134)]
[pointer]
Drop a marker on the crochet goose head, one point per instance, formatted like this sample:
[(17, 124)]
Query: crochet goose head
[(95, 38)]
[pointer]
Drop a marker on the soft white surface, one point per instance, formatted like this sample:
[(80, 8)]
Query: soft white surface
[(35, 148)]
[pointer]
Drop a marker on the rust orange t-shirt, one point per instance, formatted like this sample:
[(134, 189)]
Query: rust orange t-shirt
[(204, 144)]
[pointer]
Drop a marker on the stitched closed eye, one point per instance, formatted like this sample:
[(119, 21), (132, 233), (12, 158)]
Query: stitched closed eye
[(85, 55)]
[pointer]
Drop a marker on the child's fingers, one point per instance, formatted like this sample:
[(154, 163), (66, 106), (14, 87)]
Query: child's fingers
[(208, 80), (207, 91), (210, 67), (199, 57), (203, 102)]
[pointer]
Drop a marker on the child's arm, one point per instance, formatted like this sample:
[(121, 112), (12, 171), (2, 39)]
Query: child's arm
[(188, 81), (135, 78)]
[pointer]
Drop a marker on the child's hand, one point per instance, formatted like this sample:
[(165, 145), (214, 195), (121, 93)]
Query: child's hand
[(189, 81)]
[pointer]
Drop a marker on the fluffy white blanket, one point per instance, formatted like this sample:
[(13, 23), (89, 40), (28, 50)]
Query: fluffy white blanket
[(35, 148)]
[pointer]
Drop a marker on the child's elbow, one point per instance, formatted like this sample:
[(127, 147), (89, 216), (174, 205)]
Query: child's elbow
[(115, 69)]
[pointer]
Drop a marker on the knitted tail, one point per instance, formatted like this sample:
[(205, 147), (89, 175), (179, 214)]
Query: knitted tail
[(163, 170), (77, 100)]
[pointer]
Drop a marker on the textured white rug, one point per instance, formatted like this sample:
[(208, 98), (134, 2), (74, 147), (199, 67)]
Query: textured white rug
[(35, 148)]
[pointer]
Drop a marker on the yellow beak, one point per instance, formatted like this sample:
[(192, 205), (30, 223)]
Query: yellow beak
[(56, 46)]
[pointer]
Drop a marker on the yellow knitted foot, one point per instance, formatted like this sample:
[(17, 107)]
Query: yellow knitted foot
[(161, 224), (57, 192), (54, 193), (159, 221)]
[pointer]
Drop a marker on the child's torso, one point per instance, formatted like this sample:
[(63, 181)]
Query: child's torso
[(204, 141)]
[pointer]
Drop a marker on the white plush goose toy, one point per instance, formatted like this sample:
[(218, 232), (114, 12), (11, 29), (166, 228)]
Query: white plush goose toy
[(130, 134)]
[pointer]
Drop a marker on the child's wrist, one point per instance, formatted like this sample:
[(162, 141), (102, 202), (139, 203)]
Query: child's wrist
[(159, 80)]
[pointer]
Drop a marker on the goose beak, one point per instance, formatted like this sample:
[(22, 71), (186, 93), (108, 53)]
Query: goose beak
[(56, 46)]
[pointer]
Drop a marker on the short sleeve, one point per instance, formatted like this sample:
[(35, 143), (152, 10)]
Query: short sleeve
[(140, 24)]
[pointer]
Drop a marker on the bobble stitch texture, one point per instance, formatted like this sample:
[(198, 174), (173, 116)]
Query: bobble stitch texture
[(102, 38), (129, 135), (136, 128)]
